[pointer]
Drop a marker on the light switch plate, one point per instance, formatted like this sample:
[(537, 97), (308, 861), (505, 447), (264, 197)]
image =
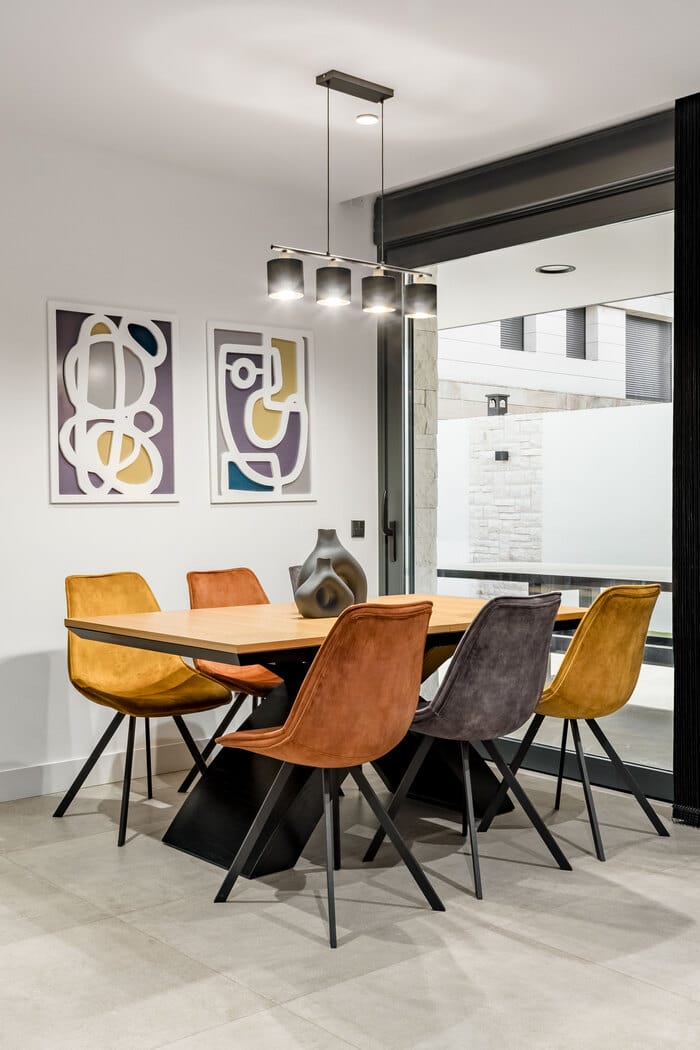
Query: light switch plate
[(357, 530)]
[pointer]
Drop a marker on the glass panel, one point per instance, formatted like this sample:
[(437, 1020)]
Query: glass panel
[(553, 460)]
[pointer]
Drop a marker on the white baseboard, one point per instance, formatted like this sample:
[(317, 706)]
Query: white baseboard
[(27, 781)]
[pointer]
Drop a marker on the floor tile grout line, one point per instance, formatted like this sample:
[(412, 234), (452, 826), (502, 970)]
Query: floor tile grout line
[(198, 962)]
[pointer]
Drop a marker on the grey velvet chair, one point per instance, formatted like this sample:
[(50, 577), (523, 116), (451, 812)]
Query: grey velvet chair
[(491, 689)]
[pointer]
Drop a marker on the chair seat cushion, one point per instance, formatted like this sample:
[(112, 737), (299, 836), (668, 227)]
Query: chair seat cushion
[(253, 679), (181, 693)]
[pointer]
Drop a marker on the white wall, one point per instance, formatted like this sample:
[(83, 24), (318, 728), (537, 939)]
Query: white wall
[(78, 225)]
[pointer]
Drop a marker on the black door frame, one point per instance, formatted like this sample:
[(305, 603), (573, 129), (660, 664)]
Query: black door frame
[(608, 176)]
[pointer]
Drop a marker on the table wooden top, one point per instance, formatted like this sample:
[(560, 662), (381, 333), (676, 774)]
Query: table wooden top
[(265, 628)]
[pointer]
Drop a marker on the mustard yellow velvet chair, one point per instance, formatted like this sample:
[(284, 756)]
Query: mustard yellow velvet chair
[(596, 678), (135, 683)]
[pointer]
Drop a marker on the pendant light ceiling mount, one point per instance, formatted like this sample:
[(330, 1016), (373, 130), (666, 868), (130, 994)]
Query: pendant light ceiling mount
[(381, 291)]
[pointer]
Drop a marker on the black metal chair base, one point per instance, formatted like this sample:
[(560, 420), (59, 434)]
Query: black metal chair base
[(469, 827), (200, 765), (330, 789), (223, 725), (621, 769)]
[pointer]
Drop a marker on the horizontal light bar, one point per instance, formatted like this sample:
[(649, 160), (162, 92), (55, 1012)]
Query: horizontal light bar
[(346, 259)]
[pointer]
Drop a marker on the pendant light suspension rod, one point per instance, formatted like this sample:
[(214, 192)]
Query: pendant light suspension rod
[(346, 259), (381, 198), (328, 170)]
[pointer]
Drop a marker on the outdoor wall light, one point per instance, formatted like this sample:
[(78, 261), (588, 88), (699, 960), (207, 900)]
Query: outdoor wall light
[(497, 404), (381, 292), (285, 277)]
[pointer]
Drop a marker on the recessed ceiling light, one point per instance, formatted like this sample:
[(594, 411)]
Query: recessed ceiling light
[(555, 268), (366, 118)]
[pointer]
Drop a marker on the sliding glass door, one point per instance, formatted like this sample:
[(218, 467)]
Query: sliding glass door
[(538, 452)]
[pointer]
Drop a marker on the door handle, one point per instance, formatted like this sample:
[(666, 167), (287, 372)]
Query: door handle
[(388, 527)]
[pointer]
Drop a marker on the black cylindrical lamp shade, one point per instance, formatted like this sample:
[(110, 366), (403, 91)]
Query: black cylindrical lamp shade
[(285, 278), (333, 286), (420, 300), (380, 294)]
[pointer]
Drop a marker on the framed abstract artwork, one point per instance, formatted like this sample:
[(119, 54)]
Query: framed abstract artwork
[(260, 413), (111, 405)]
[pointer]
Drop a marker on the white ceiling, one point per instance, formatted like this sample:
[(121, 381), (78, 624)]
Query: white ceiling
[(228, 87), (625, 260)]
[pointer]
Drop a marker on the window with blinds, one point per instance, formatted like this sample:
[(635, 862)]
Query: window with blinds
[(648, 358), (512, 334), (576, 333)]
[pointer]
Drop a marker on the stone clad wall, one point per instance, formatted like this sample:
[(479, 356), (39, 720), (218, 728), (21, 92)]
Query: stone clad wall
[(505, 498)]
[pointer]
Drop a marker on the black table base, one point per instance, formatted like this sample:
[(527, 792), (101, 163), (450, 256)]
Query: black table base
[(220, 808)]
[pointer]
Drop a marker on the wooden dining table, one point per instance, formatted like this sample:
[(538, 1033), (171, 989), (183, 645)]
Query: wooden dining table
[(221, 806)]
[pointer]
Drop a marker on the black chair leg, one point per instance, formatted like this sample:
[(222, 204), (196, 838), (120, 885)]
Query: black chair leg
[(89, 764), (254, 831), (562, 759), (502, 790), (335, 776), (519, 791), (393, 833), (149, 771), (329, 818), (469, 816), (587, 793), (400, 794), (627, 777), (126, 786), (191, 746), (223, 725)]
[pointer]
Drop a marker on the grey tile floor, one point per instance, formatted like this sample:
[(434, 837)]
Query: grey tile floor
[(122, 948)]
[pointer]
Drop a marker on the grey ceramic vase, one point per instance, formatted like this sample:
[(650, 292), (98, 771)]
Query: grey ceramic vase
[(316, 593), (323, 593)]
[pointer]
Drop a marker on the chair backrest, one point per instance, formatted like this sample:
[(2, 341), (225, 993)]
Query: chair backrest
[(361, 691), (113, 669), (222, 587), (601, 666), (497, 672)]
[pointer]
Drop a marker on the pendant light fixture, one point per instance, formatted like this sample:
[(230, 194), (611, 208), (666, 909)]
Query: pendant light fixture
[(381, 291), (333, 282), (285, 277), (420, 299)]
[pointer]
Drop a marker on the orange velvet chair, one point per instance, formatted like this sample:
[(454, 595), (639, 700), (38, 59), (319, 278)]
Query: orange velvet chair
[(596, 678), (337, 723), (218, 589), (136, 683)]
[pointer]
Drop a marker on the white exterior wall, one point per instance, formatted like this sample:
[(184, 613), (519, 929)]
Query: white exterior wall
[(591, 487), (79, 225)]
